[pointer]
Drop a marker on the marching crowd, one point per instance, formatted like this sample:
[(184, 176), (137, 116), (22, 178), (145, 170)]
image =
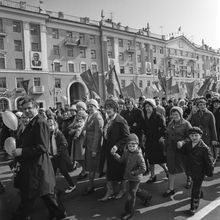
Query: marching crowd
[(121, 140)]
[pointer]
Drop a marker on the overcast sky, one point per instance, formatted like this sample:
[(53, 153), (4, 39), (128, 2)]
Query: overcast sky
[(199, 19)]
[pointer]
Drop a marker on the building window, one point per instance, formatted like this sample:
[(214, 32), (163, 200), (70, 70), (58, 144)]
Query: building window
[(139, 70), (131, 70), (129, 43), (155, 60), (1, 43), (121, 56), (37, 81), (3, 82), (18, 82), (140, 83), (57, 83), (69, 51), (122, 83), (130, 57), (154, 49), (92, 39), (55, 33), (82, 53), (120, 42), (139, 58), (83, 67), (161, 50), (35, 46), (138, 45), (18, 45), (56, 50), (34, 29), (16, 26), (2, 63), (110, 54), (122, 69), (71, 67), (19, 64), (82, 38), (94, 68), (1, 25), (56, 66), (69, 34), (109, 41), (93, 54)]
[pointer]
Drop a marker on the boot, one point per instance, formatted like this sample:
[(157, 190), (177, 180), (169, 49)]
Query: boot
[(109, 193), (194, 206), (122, 191), (144, 196)]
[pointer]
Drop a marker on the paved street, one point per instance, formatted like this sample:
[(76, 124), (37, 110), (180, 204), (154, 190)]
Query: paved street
[(87, 207)]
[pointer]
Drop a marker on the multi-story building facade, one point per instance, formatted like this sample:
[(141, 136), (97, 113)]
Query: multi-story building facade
[(51, 50)]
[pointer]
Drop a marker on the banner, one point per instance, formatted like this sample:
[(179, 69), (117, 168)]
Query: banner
[(190, 89), (205, 87), (25, 84), (132, 91)]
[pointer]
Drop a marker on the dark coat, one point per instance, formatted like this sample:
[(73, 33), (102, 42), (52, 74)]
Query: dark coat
[(207, 123), (135, 119), (36, 176), (154, 129), (199, 159), (217, 123), (116, 135)]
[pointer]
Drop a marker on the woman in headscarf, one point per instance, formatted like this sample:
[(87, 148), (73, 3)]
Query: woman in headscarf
[(177, 132), (154, 129), (116, 131)]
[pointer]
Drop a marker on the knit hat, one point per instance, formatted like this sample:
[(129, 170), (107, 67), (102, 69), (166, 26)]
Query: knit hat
[(81, 105), (178, 109), (151, 102), (195, 130), (112, 104), (73, 107), (93, 102), (133, 137)]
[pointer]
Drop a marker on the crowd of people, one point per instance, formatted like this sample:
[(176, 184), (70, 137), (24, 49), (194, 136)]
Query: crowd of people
[(121, 140)]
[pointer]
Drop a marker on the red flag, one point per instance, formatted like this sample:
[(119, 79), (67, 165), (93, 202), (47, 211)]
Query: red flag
[(204, 88), (169, 85), (25, 84), (132, 91), (162, 80), (190, 89), (174, 89)]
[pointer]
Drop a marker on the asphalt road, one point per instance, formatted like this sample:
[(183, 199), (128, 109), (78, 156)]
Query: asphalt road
[(81, 207)]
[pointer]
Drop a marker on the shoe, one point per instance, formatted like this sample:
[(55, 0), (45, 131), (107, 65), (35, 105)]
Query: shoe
[(192, 211), (126, 216), (120, 194), (152, 179), (88, 191), (70, 189), (169, 193), (82, 176), (107, 197)]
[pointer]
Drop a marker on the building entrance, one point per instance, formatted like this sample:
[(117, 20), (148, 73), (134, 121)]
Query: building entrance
[(77, 92)]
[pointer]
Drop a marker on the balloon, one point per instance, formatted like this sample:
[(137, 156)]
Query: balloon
[(10, 145), (10, 120)]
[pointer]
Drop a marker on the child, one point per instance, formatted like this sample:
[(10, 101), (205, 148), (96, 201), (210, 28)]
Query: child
[(59, 153), (199, 164), (134, 169)]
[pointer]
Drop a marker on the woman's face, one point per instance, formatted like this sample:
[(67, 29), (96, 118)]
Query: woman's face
[(149, 109), (91, 109), (51, 124), (109, 111), (176, 116), (216, 105)]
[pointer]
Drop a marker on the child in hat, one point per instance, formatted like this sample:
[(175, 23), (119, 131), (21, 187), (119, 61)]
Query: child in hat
[(134, 169), (199, 164)]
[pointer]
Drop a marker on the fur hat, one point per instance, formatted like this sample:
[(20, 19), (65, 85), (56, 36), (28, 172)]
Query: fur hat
[(151, 102), (112, 104), (133, 137), (195, 130), (93, 102), (81, 105), (178, 109)]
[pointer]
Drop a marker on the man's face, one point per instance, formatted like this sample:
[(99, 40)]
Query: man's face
[(128, 104), (202, 106), (157, 100), (195, 138), (29, 110), (36, 57)]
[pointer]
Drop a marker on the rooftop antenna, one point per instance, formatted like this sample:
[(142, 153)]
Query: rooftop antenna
[(102, 14)]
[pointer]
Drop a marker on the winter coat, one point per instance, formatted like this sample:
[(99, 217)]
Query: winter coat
[(116, 135), (134, 161), (207, 124), (36, 176), (199, 159), (217, 122)]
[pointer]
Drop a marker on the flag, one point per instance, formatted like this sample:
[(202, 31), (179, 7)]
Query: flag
[(96, 78), (162, 80), (89, 80), (25, 84), (190, 89), (169, 85), (112, 83), (132, 91), (204, 88)]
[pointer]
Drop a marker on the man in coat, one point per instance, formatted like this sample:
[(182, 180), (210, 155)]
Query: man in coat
[(204, 119), (35, 176)]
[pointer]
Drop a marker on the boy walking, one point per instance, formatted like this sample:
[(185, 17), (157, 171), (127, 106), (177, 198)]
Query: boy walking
[(199, 162), (134, 169)]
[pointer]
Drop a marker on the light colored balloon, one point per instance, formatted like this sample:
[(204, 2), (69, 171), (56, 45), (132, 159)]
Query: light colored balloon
[(10, 120), (10, 145)]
